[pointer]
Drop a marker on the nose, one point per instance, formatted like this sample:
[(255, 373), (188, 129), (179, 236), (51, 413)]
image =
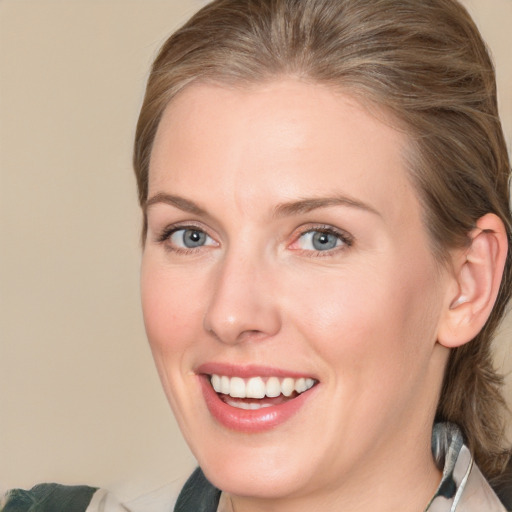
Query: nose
[(243, 303)]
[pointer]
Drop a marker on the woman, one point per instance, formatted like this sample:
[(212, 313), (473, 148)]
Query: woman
[(324, 187), (325, 197)]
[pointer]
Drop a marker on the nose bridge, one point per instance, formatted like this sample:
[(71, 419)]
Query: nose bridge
[(241, 304)]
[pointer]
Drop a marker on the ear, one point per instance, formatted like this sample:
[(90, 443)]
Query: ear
[(477, 272)]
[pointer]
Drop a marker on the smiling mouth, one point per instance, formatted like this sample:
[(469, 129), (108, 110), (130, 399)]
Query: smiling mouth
[(258, 392)]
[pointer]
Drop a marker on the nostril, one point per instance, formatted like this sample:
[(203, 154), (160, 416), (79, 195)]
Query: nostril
[(235, 337), (251, 325)]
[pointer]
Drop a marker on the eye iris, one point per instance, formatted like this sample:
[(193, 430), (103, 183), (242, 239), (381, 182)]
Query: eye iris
[(324, 241), (193, 238)]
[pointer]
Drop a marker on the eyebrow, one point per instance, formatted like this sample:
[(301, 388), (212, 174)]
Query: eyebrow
[(291, 208), (308, 204), (179, 202)]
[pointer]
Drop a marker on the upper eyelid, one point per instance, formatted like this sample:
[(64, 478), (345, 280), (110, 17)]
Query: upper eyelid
[(164, 233), (347, 241), (158, 225), (324, 228), (188, 224)]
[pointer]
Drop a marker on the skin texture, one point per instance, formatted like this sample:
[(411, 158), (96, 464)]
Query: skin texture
[(363, 318)]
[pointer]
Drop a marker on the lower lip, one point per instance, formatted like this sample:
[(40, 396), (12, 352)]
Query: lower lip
[(253, 420)]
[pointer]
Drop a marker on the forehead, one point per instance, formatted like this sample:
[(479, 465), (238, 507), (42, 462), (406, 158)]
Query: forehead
[(279, 140)]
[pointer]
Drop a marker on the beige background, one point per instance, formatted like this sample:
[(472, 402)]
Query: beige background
[(79, 399)]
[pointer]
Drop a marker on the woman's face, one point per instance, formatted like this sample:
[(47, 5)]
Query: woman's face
[(286, 255)]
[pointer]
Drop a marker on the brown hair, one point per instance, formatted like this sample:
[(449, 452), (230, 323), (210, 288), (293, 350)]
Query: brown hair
[(426, 64)]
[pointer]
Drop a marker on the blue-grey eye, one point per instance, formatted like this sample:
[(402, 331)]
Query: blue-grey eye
[(188, 238), (319, 241)]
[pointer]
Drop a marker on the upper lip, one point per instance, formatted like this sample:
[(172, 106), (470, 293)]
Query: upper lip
[(248, 371)]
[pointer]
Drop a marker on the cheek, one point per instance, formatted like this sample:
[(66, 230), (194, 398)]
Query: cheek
[(369, 319), (173, 319), (170, 305), (377, 334)]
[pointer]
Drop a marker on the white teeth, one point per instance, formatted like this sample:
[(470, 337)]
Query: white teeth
[(256, 387), (243, 405), (288, 386), (300, 385), (224, 385), (273, 387), (216, 383), (237, 388)]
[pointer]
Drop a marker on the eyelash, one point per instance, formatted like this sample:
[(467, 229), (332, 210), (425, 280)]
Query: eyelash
[(166, 234), (346, 239)]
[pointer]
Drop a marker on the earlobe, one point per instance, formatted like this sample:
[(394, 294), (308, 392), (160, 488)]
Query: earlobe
[(478, 270)]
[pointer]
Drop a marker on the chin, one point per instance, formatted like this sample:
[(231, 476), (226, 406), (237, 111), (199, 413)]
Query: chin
[(258, 479), (248, 465)]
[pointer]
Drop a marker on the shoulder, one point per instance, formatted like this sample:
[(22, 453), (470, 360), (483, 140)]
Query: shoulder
[(48, 498), (463, 488), (194, 494), (478, 494), (51, 497)]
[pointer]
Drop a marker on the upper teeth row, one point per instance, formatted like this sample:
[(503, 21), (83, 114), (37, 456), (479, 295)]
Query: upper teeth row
[(256, 387)]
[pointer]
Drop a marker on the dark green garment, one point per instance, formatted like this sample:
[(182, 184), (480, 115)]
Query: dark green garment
[(49, 498), (198, 495)]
